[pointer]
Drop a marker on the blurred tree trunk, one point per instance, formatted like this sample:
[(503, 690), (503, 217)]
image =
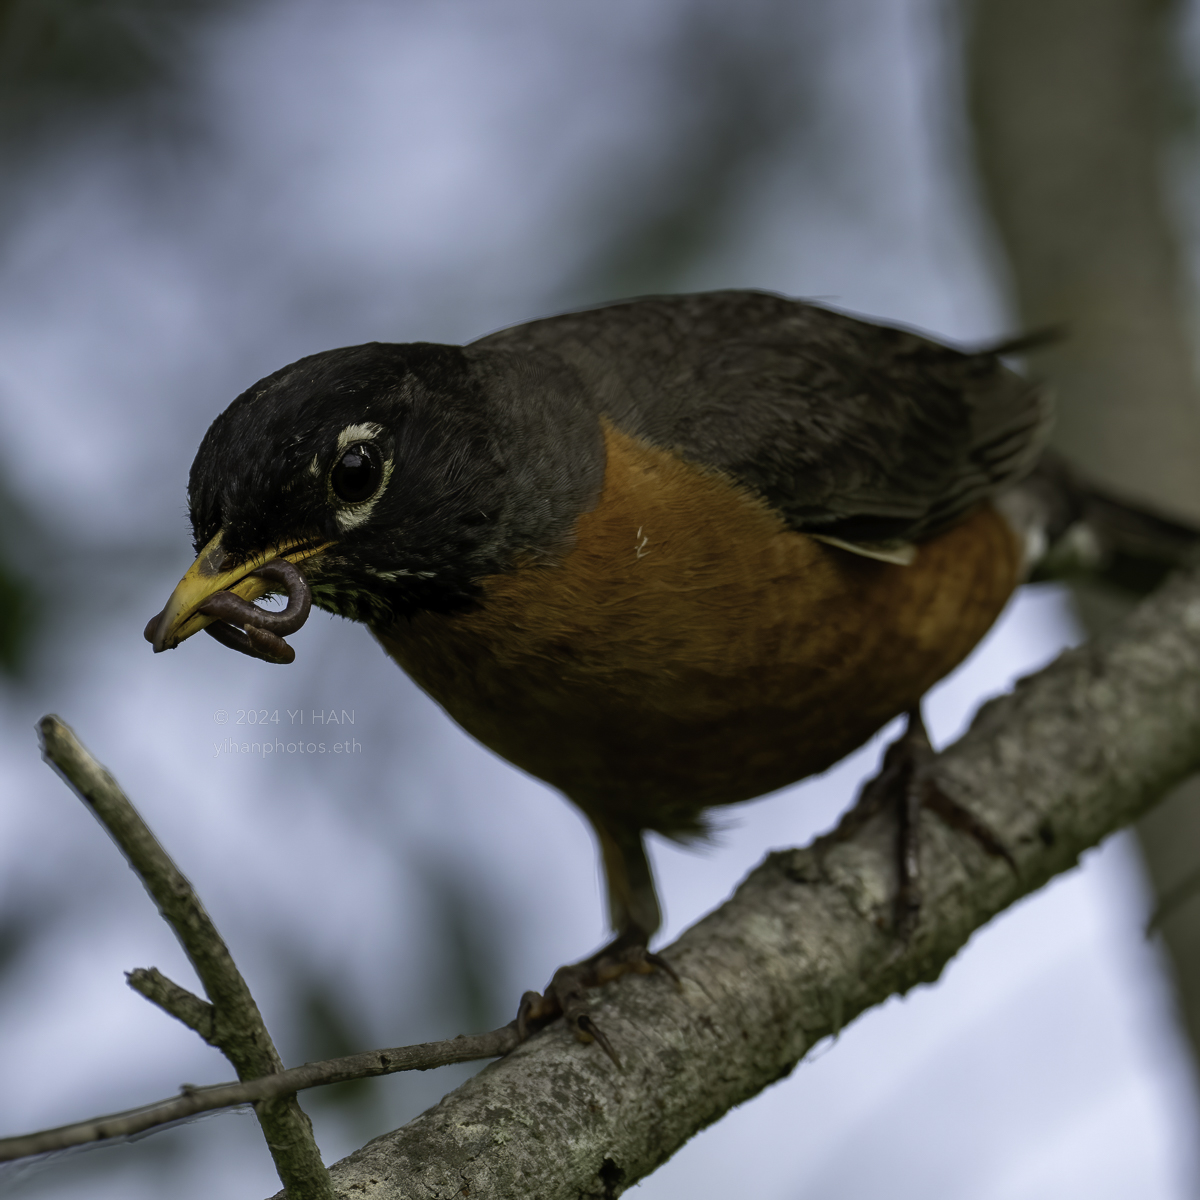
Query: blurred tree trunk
[(1069, 106)]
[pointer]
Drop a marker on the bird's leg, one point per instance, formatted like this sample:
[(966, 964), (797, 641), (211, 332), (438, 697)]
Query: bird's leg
[(634, 913), (905, 781)]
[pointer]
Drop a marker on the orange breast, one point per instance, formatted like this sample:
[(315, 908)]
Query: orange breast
[(690, 650)]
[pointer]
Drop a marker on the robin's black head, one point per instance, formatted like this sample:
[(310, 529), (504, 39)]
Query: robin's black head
[(399, 476), (388, 454)]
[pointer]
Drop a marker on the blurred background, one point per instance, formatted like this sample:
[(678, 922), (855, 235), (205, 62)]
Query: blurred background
[(197, 192)]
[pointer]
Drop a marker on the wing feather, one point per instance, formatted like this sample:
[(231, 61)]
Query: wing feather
[(861, 432)]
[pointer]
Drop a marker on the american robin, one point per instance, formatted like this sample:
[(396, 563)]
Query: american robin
[(665, 555)]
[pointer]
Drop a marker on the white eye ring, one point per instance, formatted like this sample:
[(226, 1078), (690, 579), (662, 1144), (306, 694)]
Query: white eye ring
[(351, 515), (368, 431)]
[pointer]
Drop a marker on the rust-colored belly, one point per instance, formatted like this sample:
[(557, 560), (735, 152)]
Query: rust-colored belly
[(691, 651)]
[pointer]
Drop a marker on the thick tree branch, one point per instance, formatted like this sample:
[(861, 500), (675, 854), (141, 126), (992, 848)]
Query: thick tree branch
[(237, 1027), (804, 945)]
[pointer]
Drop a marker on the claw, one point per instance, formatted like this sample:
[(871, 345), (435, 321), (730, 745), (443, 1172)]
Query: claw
[(962, 819), (566, 994), (657, 960), (588, 1031), (905, 781), (533, 1007)]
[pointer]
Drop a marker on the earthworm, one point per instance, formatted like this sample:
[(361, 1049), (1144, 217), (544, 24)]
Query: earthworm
[(243, 626), (255, 631)]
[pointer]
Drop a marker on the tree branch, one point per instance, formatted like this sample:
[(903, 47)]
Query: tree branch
[(195, 1100), (177, 1001), (237, 1025), (804, 945)]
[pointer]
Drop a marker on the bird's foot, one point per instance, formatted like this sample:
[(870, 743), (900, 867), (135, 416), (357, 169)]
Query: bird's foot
[(906, 783), (566, 994)]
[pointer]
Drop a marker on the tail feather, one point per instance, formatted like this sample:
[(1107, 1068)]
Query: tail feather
[(1024, 343), (1077, 531)]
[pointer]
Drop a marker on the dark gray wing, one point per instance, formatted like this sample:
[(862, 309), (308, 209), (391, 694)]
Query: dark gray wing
[(852, 430)]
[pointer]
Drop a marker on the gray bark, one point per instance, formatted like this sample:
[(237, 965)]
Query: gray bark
[(805, 943)]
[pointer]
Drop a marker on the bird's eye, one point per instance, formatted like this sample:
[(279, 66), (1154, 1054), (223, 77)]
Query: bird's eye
[(357, 473)]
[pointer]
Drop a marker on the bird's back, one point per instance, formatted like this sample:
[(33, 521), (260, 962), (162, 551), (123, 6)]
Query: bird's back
[(848, 428)]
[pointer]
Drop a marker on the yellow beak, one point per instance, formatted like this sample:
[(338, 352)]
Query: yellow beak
[(207, 576)]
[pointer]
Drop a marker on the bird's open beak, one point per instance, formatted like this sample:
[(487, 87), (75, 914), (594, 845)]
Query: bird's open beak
[(209, 575)]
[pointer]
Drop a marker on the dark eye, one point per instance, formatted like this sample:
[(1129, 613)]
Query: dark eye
[(357, 474)]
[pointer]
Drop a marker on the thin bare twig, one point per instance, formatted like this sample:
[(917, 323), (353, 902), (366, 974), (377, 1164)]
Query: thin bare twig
[(194, 1100), (238, 1028), (181, 1004)]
